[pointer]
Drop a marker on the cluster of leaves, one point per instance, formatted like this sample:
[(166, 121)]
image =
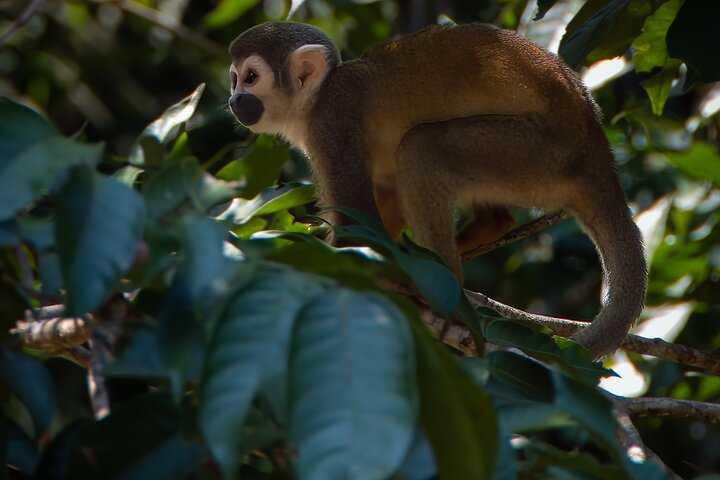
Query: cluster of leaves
[(280, 343), (257, 349)]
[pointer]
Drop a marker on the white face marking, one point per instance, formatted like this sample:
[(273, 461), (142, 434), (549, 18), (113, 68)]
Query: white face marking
[(284, 114)]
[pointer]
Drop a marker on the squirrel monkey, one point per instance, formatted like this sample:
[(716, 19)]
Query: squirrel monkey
[(469, 115)]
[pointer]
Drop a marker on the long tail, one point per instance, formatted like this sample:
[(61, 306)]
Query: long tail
[(620, 247)]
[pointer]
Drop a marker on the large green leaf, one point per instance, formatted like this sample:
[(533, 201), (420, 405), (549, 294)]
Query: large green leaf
[(34, 158), (99, 222), (353, 403), (204, 268), (650, 48), (456, 415), (252, 334)]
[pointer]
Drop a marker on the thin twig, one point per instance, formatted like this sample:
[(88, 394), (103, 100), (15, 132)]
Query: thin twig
[(708, 361), (517, 234), (671, 407), (630, 439), (24, 17)]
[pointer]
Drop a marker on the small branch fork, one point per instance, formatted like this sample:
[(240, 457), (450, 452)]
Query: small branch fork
[(47, 330)]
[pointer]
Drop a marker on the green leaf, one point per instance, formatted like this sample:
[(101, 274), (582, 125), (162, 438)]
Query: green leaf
[(21, 126), (271, 200), (252, 334), (587, 29), (456, 415), (167, 189), (572, 358), (701, 161), (588, 406), (353, 402), (693, 38), (30, 381), (99, 222), (205, 268), (650, 47), (34, 158), (658, 86), (260, 168), (528, 379), (148, 148), (227, 12)]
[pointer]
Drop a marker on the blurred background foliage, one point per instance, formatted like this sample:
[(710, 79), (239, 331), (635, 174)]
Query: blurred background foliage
[(101, 70)]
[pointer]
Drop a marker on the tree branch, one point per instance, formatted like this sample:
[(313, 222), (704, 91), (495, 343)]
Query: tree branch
[(24, 17), (517, 234), (630, 439), (670, 407)]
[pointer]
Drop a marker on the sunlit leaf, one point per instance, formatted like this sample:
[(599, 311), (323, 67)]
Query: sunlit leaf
[(149, 145), (353, 402), (269, 201), (260, 168), (99, 224), (650, 47), (658, 86)]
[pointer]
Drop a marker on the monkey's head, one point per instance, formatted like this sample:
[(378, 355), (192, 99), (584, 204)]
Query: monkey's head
[(276, 69)]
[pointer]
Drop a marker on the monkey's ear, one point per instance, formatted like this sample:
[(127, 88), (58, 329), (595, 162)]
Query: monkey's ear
[(309, 66)]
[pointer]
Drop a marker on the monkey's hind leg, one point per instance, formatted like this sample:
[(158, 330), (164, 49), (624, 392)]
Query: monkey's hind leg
[(481, 160), (427, 197)]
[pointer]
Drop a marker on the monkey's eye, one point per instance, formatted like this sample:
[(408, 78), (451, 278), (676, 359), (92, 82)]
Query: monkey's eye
[(250, 78), (233, 80)]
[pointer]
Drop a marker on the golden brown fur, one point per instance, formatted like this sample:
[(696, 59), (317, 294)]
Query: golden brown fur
[(452, 116)]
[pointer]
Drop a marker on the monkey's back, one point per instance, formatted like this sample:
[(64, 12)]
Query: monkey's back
[(468, 70), (479, 69)]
